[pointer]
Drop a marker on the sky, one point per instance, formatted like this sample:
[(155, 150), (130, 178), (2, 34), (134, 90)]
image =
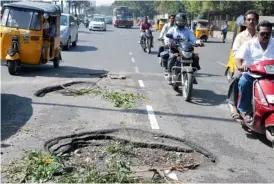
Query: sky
[(104, 2)]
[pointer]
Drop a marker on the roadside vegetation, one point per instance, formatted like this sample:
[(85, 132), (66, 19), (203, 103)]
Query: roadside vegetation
[(121, 100), (43, 167)]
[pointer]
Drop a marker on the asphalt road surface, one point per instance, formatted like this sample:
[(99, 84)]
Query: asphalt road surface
[(28, 120)]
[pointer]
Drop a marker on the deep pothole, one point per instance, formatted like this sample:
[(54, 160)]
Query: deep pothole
[(143, 150)]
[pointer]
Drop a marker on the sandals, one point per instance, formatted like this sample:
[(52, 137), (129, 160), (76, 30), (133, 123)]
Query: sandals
[(247, 118), (234, 112), (235, 115)]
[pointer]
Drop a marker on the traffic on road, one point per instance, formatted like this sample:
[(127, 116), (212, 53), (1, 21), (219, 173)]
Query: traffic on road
[(60, 77)]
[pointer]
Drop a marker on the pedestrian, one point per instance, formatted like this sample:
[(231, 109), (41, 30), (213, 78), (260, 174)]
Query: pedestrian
[(224, 31)]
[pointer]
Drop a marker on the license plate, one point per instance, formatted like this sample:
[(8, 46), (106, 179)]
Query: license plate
[(270, 98), (187, 61)]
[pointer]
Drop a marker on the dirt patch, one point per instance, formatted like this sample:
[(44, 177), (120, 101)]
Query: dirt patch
[(135, 137), (137, 157)]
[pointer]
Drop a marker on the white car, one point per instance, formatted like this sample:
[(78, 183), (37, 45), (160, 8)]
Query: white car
[(97, 23), (68, 31)]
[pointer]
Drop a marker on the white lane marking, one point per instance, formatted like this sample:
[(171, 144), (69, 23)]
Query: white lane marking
[(141, 83), (221, 63), (130, 53), (136, 69), (152, 118), (133, 60)]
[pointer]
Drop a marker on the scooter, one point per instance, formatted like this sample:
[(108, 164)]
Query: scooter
[(263, 100)]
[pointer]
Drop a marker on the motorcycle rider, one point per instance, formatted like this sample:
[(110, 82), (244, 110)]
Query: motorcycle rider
[(165, 29), (183, 32), (145, 25), (251, 19), (252, 52)]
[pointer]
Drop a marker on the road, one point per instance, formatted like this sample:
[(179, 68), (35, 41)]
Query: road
[(27, 120)]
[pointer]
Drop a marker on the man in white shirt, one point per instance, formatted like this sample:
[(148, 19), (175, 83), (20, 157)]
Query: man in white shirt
[(252, 52), (251, 19), (180, 30), (164, 31)]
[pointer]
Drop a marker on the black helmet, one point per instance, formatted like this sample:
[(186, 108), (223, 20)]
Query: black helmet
[(180, 20)]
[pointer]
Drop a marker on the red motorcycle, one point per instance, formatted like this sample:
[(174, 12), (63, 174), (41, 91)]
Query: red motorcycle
[(263, 100)]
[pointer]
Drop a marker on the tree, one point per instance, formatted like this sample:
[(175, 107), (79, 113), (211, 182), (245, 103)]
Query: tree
[(264, 7), (170, 7)]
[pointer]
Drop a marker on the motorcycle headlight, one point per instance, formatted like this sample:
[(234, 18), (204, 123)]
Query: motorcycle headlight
[(187, 54), (11, 52)]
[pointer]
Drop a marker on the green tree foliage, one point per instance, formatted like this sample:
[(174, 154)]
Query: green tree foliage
[(265, 7), (170, 7), (198, 8), (106, 10)]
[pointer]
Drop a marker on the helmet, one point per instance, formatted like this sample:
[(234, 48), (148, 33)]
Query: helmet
[(180, 20)]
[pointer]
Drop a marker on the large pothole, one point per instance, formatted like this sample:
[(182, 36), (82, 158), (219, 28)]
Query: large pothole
[(144, 151), (110, 156)]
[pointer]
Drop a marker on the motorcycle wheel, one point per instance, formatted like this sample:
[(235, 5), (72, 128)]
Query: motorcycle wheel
[(148, 46), (187, 85)]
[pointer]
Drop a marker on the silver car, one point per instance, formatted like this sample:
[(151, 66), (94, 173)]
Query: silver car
[(97, 23), (68, 31)]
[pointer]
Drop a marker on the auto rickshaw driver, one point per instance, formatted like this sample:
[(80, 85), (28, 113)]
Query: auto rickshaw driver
[(45, 32)]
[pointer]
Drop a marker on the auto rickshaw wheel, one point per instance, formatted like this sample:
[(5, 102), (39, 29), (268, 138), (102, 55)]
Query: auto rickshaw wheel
[(13, 67)]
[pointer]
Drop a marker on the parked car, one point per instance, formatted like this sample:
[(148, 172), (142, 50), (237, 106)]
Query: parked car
[(98, 23), (68, 31)]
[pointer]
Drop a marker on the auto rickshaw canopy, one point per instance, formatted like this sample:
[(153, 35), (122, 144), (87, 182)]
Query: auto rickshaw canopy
[(201, 23), (51, 9)]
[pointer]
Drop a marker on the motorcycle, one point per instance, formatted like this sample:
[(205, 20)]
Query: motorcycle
[(164, 55), (146, 41), (263, 100), (182, 73)]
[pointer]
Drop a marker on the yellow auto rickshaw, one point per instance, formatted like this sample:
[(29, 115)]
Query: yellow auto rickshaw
[(160, 24), (200, 29), (30, 34), (239, 26)]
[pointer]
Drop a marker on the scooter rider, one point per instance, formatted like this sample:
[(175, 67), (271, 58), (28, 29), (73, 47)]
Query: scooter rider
[(252, 52), (251, 19), (165, 29), (145, 25), (183, 32)]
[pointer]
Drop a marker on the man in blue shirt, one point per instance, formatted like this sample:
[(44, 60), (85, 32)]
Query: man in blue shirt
[(224, 31), (179, 30)]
